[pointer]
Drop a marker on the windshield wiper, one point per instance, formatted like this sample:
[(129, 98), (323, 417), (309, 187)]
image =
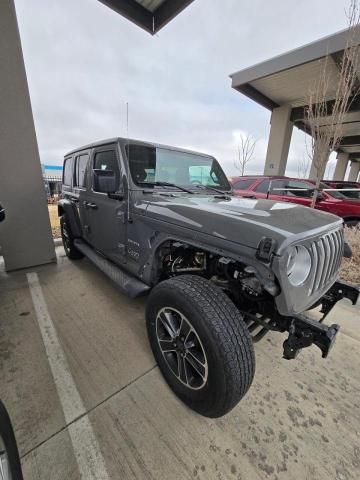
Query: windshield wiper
[(166, 184), (206, 187)]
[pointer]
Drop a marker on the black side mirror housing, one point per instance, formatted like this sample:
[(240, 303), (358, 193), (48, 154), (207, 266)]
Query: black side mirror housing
[(320, 196), (104, 181)]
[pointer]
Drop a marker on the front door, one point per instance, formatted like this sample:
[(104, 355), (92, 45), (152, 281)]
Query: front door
[(106, 217)]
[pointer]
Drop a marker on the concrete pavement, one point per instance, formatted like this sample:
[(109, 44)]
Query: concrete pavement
[(300, 420)]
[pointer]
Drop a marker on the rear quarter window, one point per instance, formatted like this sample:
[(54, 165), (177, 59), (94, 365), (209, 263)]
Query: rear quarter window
[(80, 170), (68, 171)]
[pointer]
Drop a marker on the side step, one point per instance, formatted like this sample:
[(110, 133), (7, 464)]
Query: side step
[(127, 284)]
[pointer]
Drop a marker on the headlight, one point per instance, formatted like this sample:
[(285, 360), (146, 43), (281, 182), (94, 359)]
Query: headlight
[(298, 265)]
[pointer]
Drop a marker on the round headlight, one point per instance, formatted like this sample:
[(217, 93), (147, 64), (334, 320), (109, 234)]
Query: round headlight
[(298, 265)]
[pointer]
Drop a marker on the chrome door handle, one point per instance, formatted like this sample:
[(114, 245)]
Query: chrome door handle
[(90, 205)]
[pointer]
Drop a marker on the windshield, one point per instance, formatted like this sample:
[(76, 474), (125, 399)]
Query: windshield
[(151, 164)]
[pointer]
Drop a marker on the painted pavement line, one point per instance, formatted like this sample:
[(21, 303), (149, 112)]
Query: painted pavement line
[(86, 448)]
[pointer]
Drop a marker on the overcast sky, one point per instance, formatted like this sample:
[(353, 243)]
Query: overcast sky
[(84, 62)]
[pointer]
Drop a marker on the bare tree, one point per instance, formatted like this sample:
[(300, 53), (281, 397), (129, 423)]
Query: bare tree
[(303, 167), (326, 138), (245, 151)]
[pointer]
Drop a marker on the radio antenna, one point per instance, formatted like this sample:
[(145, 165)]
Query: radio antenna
[(128, 166)]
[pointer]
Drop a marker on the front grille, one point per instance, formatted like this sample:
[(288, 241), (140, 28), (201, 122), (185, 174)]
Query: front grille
[(326, 254)]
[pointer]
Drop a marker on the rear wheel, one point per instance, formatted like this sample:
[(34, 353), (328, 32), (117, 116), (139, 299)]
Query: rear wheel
[(201, 344), (68, 240)]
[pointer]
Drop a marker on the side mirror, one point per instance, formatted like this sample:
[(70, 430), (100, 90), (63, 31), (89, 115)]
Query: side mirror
[(320, 196), (104, 181)]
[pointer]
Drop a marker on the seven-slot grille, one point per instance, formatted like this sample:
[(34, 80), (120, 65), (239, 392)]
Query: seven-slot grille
[(326, 254)]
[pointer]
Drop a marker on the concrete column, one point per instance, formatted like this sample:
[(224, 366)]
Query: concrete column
[(314, 169), (279, 141), (341, 166), (354, 171), (25, 234)]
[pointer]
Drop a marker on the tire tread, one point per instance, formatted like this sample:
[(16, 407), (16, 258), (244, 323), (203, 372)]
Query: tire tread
[(225, 322)]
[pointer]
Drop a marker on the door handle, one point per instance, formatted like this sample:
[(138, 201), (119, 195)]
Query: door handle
[(90, 205)]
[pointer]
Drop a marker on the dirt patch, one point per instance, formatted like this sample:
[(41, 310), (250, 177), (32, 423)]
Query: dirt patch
[(54, 221), (350, 267)]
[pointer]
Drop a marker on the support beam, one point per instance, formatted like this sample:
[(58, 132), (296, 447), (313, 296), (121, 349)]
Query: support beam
[(167, 11), (25, 234), (279, 141), (134, 12), (341, 166), (298, 113), (354, 171), (351, 141)]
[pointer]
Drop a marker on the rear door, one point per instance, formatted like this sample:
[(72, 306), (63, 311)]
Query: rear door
[(81, 167), (106, 217)]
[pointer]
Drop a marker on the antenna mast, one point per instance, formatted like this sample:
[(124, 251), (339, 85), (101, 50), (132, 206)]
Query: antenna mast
[(128, 166)]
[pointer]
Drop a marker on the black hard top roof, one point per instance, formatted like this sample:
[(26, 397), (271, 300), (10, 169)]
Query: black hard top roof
[(124, 141)]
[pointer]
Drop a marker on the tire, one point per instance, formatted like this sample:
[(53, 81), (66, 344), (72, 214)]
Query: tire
[(352, 223), (68, 240), (219, 341), (9, 455)]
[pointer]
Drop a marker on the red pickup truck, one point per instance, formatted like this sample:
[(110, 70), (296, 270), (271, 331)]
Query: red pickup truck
[(285, 189)]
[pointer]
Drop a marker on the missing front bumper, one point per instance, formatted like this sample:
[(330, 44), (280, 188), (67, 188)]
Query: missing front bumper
[(304, 332)]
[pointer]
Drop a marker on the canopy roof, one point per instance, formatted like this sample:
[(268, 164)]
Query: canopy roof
[(288, 78), (151, 15)]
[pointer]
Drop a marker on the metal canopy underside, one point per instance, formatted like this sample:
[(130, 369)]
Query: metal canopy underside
[(151, 15), (288, 78)]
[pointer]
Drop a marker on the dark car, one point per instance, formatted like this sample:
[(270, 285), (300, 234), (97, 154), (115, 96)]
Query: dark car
[(293, 190), (348, 189), (222, 271)]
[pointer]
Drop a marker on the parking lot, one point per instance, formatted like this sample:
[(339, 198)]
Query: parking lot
[(301, 419)]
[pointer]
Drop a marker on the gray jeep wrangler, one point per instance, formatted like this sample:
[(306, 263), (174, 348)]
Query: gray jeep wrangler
[(222, 271)]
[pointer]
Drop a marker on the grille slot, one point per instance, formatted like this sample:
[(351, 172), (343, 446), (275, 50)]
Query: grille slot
[(326, 254)]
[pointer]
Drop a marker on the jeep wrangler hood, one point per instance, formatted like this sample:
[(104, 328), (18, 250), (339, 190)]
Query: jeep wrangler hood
[(241, 220)]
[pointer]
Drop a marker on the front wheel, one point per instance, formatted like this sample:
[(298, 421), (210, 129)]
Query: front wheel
[(201, 344)]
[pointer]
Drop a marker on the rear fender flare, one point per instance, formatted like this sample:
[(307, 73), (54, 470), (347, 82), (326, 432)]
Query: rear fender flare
[(69, 209)]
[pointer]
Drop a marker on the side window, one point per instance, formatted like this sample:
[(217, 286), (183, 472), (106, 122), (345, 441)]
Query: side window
[(243, 184), (68, 172), (263, 187), (106, 160), (80, 169), (295, 184)]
